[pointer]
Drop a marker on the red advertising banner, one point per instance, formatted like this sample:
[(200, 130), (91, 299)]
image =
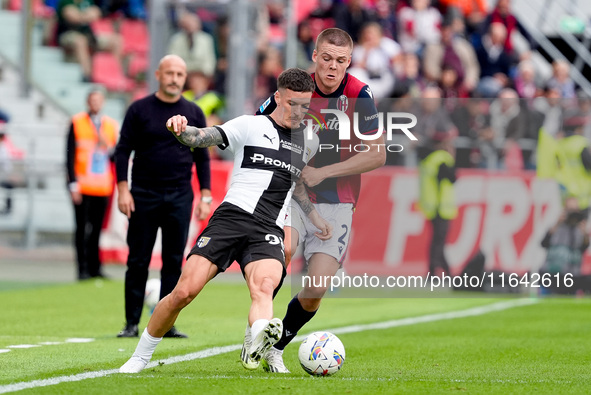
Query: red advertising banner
[(113, 247), (505, 215)]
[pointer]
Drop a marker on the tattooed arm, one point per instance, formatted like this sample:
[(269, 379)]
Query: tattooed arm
[(191, 135), (300, 195)]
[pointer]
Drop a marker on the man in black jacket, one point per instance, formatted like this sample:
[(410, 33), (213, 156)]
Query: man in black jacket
[(161, 195)]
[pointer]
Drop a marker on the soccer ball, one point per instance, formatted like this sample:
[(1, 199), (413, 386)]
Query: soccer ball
[(152, 295), (321, 354)]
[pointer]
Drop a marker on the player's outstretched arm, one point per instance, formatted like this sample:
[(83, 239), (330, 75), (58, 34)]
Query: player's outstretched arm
[(192, 136), (300, 195)]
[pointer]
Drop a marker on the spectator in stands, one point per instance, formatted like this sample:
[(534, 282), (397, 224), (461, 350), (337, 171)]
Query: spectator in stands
[(566, 242), (261, 22), (404, 103), (504, 113), (451, 87), (452, 52), (472, 119), (134, 9), (525, 80), (508, 124), (4, 117), (502, 14), (270, 66), (193, 45), (418, 26), (5, 171), (437, 197), (584, 102), (221, 41), (495, 63), (550, 105), (410, 81), (561, 80), (276, 11), (210, 102), (574, 158), (91, 141), (472, 11), (375, 59), (306, 45), (74, 33), (386, 17), (432, 118), (351, 16)]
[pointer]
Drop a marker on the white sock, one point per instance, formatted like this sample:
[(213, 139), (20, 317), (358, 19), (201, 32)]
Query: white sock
[(247, 331), (146, 346), (276, 350), (257, 327)]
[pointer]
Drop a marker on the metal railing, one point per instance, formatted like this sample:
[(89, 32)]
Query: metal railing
[(534, 26)]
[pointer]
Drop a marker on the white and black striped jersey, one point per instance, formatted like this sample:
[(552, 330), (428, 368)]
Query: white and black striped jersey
[(267, 160)]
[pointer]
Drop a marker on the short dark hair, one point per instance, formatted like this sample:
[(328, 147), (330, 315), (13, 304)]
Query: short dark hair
[(335, 36), (295, 79)]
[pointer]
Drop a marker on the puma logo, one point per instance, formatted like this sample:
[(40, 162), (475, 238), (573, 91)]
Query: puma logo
[(269, 138)]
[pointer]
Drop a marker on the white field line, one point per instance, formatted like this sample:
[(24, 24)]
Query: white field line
[(283, 377), (210, 352)]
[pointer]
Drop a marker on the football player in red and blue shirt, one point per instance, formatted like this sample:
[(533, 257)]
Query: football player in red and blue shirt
[(332, 178)]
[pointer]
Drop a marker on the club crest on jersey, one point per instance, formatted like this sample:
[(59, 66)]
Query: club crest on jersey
[(203, 241), (343, 103)]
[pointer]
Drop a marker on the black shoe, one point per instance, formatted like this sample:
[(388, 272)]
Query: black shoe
[(129, 331), (83, 276), (174, 333)]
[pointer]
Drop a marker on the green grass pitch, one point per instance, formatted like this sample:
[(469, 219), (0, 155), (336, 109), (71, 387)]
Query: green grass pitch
[(542, 347)]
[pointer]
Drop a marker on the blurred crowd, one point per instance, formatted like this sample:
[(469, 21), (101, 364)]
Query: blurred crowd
[(464, 68), (456, 62)]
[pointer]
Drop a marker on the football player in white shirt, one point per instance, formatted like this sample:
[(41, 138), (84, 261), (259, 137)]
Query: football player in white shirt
[(270, 153)]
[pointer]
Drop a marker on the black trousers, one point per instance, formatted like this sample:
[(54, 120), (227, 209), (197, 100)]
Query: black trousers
[(170, 210), (436, 255), (89, 221)]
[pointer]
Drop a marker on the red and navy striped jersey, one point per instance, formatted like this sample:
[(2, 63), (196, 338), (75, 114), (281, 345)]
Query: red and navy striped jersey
[(351, 96)]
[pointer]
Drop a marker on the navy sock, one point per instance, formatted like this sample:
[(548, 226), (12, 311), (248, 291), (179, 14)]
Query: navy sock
[(295, 318)]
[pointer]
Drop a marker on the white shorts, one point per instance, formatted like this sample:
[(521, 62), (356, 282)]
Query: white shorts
[(339, 215)]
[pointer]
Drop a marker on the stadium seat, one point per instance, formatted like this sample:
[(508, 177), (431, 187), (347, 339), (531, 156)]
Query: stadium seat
[(319, 24), (303, 8), (276, 34), (137, 64), (140, 92), (135, 36), (103, 25), (40, 10), (107, 70)]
